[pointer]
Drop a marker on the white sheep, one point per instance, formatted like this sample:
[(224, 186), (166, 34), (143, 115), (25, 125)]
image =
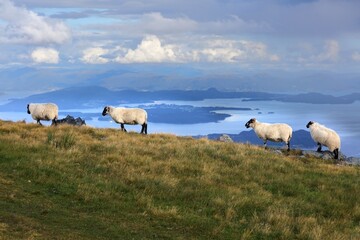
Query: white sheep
[(277, 132), (130, 116), (325, 136), (43, 111)]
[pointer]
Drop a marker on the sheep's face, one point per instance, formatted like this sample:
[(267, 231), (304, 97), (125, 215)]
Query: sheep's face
[(105, 111), (250, 123), (28, 109), (309, 124)]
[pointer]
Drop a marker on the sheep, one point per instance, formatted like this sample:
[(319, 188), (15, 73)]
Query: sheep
[(43, 111), (278, 132), (325, 136), (130, 116)]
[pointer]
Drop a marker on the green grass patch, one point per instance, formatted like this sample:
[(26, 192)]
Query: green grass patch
[(85, 183)]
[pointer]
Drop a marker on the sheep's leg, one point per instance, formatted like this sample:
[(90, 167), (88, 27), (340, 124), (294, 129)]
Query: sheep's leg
[(265, 146), (38, 121), (319, 147), (123, 128), (144, 128), (54, 122), (336, 152), (288, 145)]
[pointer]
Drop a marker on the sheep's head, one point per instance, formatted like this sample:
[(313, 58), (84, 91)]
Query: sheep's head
[(28, 109), (106, 110), (250, 123), (309, 124)]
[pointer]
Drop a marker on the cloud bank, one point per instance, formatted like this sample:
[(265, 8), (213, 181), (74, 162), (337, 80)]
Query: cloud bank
[(45, 55), (151, 49), (24, 26), (95, 55), (249, 33)]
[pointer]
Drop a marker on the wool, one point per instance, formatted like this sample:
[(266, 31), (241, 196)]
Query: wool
[(277, 132), (131, 116), (325, 136), (43, 111)]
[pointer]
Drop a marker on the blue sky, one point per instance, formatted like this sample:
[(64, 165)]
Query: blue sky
[(237, 34)]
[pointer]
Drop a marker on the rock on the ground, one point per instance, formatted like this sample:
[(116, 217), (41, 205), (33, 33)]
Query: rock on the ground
[(71, 121), (225, 138), (353, 160)]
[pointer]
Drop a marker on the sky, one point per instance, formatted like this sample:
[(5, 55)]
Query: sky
[(227, 35)]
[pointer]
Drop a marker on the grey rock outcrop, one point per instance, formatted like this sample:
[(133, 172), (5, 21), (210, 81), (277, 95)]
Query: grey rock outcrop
[(225, 138), (325, 155), (70, 120)]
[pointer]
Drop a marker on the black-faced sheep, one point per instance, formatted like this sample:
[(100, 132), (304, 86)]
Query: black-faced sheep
[(130, 116), (43, 111), (277, 132), (325, 136)]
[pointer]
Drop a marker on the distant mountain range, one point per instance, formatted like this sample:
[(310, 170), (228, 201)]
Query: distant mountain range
[(94, 96), (155, 77)]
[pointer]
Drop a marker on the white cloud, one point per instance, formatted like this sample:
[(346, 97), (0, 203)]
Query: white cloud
[(25, 26), (219, 50), (221, 54), (356, 56), (149, 50), (222, 50), (274, 58), (215, 49), (95, 55), (330, 53), (258, 51), (45, 55), (311, 57), (197, 50)]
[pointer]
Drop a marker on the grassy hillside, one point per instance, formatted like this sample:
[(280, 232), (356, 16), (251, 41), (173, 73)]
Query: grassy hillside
[(86, 183)]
